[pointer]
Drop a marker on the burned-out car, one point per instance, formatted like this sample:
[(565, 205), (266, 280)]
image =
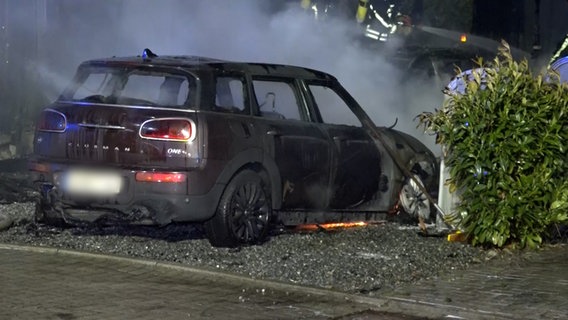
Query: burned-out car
[(437, 66), (237, 146)]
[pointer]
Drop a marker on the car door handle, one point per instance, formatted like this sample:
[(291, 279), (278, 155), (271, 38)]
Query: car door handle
[(272, 133), (338, 138)]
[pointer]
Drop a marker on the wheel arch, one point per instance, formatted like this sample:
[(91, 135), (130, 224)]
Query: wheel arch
[(256, 160), (396, 178)]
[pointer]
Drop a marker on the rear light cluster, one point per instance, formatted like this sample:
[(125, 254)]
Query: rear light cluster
[(52, 121), (170, 129), (166, 177), (38, 167)]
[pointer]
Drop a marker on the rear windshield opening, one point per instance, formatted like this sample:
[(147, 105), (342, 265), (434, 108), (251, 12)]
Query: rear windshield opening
[(133, 87)]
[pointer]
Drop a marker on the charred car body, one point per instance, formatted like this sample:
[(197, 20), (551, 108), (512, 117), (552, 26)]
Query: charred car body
[(238, 146)]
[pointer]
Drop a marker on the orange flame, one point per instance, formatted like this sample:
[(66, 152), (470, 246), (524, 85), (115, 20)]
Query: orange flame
[(328, 226)]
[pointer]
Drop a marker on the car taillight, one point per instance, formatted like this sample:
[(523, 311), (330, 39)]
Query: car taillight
[(52, 121), (38, 167), (177, 129), (167, 177)]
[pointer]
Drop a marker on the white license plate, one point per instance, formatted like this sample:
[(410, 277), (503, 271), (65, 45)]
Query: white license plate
[(92, 183)]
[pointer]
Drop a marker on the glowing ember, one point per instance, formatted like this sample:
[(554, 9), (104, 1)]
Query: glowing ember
[(335, 225)]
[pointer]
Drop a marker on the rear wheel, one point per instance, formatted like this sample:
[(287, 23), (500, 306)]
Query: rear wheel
[(244, 212), (46, 214)]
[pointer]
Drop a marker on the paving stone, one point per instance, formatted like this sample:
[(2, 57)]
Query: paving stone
[(39, 283), (535, 288), (58, 286)]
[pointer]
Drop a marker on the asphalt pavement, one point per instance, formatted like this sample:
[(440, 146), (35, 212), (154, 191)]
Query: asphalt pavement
[(45, 283)]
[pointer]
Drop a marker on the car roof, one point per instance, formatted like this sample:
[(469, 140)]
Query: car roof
[(406, 57), (197, 63)]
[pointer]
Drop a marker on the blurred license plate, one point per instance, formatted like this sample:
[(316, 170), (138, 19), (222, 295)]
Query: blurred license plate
[(93, 183)]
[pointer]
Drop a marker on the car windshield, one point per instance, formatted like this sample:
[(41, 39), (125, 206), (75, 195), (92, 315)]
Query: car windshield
[(125, 86)]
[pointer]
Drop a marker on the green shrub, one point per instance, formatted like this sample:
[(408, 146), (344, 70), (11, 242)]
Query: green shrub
[(505, 144)]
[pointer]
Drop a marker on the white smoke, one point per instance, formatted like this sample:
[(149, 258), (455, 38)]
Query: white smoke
[(245, 30)]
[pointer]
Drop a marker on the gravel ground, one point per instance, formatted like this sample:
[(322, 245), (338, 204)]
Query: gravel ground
[(364, 260)]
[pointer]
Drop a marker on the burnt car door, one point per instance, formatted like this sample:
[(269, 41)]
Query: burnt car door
[(301, 151), (356, 167)]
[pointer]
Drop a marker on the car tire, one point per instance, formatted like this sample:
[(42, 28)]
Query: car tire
[(46, 214), (413, 202), (244, 212)]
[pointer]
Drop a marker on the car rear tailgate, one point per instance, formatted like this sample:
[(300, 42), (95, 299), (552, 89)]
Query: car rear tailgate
[(111, 135)]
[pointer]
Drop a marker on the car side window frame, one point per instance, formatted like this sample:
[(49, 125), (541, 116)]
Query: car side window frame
[(296, 90), (245, 90), (350, 102)]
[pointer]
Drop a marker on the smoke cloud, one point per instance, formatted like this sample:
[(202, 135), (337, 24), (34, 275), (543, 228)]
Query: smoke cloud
[(69, 31)]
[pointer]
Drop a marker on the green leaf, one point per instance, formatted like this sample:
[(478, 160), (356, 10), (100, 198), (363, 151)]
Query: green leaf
[(558, 204), (508, 163)]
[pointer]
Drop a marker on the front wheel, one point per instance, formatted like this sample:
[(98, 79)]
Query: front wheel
[(243, 214), (413, 201)]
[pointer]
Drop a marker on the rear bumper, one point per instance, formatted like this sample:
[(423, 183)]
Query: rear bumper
[(137, 203)]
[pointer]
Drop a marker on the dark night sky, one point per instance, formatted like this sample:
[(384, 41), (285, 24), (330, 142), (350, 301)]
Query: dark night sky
[(522, 24), (498, 19)]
